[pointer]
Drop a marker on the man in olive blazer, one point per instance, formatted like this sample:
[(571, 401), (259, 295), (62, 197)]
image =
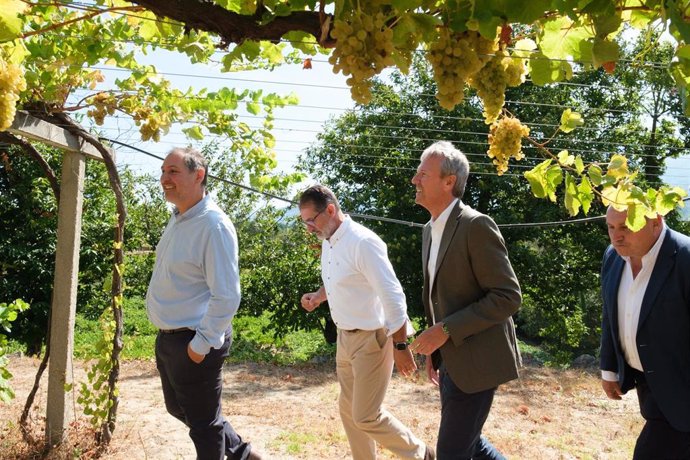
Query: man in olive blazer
[(470, 292)]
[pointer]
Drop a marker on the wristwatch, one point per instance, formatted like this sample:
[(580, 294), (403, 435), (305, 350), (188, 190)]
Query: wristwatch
[(400, 345), (444, 328)]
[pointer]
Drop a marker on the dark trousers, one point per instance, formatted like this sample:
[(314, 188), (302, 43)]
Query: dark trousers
[(192, 394), (462, 418), (658, 439)]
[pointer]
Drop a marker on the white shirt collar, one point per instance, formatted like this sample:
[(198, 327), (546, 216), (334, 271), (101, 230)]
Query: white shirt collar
[(440, 221)]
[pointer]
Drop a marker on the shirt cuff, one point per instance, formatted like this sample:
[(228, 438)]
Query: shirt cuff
[(199, 345), (609, 376)]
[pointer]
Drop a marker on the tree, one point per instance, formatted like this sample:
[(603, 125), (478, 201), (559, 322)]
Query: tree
[(369, 155)]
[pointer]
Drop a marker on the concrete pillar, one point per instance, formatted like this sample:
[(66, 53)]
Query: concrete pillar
[(59, 414)]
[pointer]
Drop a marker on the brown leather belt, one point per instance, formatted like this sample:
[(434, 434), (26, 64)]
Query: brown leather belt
[(174, 331)]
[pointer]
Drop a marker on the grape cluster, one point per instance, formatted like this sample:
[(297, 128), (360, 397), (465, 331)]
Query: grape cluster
[(455, 57), (364, 45), (505, 141), (491, 82), (11, 84)]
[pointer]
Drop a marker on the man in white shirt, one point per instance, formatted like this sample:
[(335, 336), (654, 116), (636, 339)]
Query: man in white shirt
[(192, 297), (368, 306), (645, 342)]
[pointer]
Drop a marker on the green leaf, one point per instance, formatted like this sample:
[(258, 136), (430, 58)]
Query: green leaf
[(618, 167), (562, 38), (526, 11), (404, 5), (679, 27), (604, 51), (668, 198), (607, 23), (254, 108), (594, 172), (615, 196), (585, 194), (565, 158), (544, 179), (636, 218), (579, 165), (10, 22), (570, 120), (543, 70), (572, 203), (194, 132)]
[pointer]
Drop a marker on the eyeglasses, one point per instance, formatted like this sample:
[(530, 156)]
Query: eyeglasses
[(311, 222)]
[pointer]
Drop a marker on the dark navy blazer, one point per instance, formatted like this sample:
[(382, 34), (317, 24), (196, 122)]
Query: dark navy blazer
[(663, 333)]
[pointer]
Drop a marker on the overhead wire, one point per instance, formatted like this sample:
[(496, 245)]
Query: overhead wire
[(368, 216)]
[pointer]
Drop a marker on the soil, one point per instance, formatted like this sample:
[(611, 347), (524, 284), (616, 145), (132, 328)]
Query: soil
[(291, 413)]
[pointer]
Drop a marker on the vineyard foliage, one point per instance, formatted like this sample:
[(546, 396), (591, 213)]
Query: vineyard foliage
[(49, 51)]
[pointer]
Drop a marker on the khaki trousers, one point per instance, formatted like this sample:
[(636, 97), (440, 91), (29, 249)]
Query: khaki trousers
[(364, 363)]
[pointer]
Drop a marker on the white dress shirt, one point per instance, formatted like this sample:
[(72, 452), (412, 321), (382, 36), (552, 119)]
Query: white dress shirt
[(195, 281), (630, 294), (362, 289), (437, 227)]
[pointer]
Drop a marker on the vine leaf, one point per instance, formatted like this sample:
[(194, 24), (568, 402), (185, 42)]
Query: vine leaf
[(570, 120)]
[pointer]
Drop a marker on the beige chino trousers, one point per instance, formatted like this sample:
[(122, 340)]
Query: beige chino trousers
[(364, 364)]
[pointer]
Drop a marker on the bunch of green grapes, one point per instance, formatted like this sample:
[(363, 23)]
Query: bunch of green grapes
[(11, 84), (364, 45), (493, 79), (455, 57), (505, 141), (515, 70)]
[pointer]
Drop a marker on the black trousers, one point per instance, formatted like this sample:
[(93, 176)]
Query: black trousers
[(192, 394), (462, 418), (658, 440)]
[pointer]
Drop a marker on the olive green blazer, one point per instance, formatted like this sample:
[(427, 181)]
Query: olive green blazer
[(475, 292)]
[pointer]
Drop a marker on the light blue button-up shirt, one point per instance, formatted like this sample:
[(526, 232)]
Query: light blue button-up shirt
[(195, 281)]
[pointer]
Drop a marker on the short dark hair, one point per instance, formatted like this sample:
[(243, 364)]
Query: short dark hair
[(320, 196), (193, 160)]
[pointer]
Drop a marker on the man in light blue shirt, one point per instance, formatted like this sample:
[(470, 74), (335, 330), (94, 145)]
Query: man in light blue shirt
[(192, 297)]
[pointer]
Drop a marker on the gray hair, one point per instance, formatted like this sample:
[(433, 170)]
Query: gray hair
[(454, 164), (193, 160)]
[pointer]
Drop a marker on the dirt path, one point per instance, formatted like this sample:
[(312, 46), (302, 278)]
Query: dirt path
[(291, 413)]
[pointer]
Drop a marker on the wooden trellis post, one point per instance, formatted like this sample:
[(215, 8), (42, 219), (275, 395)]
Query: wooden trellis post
[(64, 302)]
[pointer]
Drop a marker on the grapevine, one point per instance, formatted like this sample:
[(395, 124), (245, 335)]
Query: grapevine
[(505, 141), (455, 58), (12, 83), (363, 49), (491, 82)]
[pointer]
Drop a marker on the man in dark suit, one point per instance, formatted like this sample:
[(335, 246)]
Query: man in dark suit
[(645, 332), (470, 292)]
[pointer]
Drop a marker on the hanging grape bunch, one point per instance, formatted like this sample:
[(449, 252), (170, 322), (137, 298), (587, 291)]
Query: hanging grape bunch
[(493, 79), (364, 45), (11, 84), (505, 142), (456, 57)]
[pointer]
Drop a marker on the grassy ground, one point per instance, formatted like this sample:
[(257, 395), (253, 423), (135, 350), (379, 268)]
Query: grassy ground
[(290, 412), (282, 395)]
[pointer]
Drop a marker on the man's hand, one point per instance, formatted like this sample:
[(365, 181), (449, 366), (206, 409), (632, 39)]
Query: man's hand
[(311, 300), (404, 362), (612, 389), (430, 340), (193, 355), (431, 373)]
